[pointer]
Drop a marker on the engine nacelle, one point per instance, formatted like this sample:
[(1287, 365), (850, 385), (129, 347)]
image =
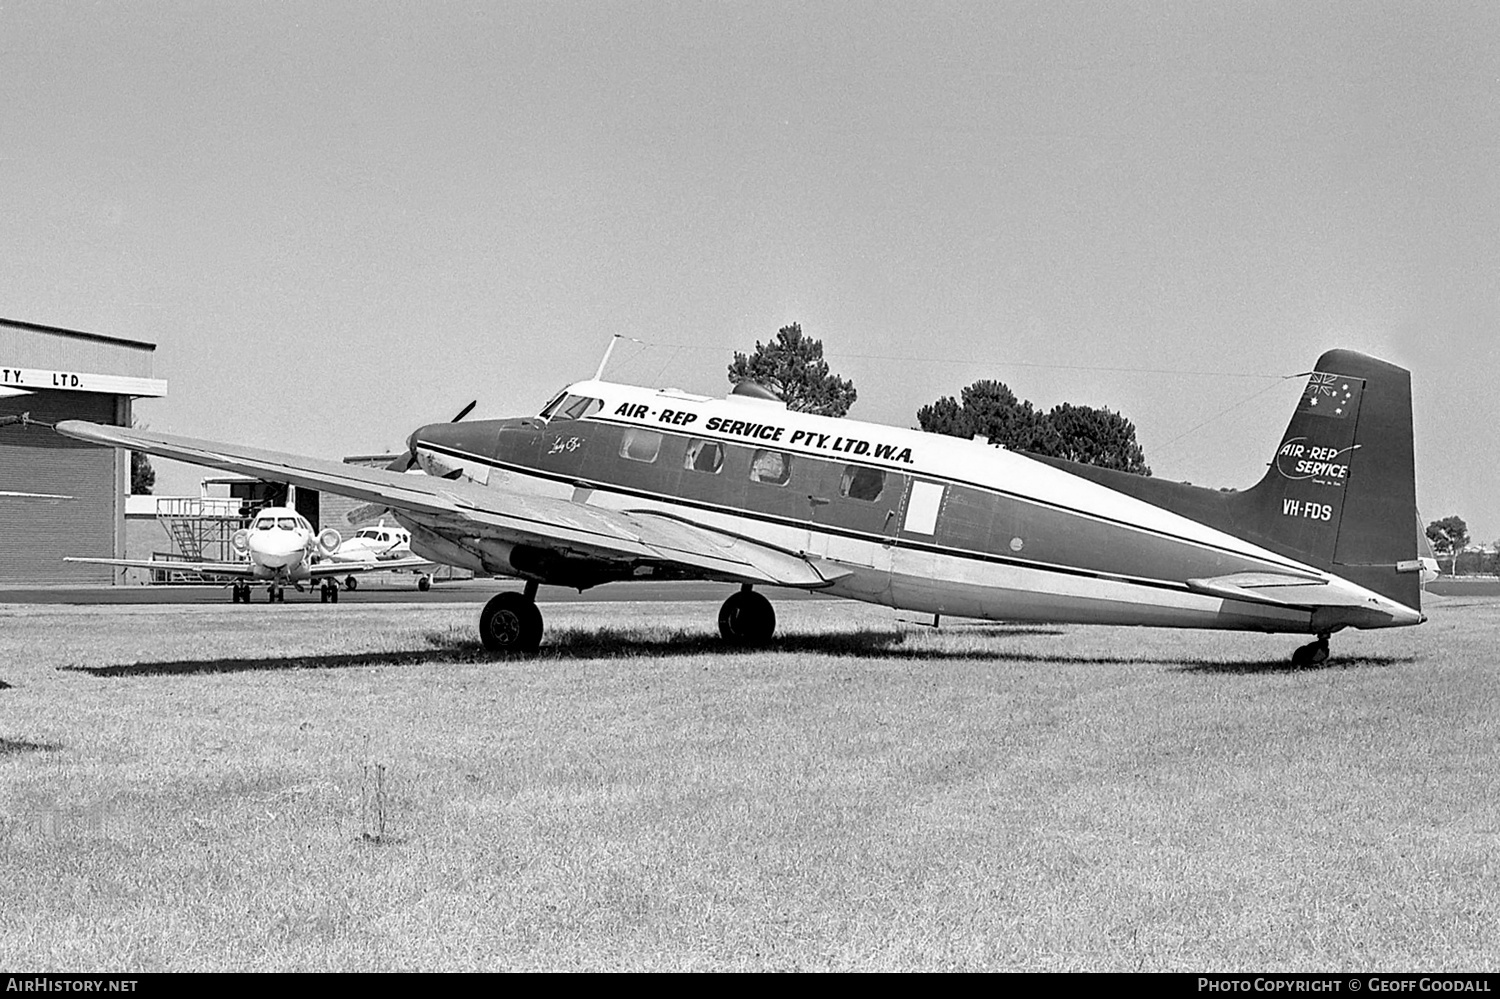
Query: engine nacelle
[(241, 541), (329, 541), (439, 549)]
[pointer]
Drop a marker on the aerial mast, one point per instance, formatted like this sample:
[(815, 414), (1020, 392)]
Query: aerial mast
[(599, 375)]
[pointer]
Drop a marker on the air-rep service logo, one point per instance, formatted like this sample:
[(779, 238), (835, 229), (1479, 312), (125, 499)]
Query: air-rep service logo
[(1297, 459)]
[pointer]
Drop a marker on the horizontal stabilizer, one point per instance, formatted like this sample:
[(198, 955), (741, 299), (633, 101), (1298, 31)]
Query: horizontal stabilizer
[(1280, 590)]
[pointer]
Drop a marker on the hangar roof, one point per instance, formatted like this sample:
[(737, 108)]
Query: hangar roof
[(32, 345)]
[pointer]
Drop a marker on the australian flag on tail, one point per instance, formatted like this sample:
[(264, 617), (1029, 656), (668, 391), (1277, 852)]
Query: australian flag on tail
[(1334, 396)]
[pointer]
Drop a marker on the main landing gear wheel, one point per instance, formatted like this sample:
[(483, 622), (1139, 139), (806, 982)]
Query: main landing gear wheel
[(350, 583), (424, 583), (239, 593), (510, 622), (328, 593), (747, 618), (1312, 654)]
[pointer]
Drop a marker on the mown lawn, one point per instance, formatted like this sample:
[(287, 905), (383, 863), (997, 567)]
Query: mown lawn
[(346, 787)]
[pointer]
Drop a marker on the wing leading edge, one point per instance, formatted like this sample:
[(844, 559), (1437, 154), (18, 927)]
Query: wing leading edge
[(450, 506), (229, 570)]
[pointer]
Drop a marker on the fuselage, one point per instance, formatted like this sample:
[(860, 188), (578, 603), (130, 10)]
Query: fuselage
[(913, 520), (279, 544), (374, 544)]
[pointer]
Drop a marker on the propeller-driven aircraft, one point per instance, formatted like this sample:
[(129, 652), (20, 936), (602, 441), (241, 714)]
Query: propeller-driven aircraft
[(378, 548), (279, 548), (613, 482)]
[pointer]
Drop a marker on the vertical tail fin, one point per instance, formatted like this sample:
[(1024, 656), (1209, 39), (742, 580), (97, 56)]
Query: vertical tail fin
[(1340, 493)]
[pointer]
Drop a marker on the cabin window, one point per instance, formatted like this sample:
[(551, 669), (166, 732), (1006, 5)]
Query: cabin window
[(771, 467), (704, 456), (573, 407), (862, 483), (640, 445)]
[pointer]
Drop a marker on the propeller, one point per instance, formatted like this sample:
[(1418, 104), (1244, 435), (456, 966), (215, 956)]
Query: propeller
[(407, 461)]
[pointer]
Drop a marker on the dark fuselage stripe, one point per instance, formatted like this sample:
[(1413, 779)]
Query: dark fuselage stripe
[(910, 545), (949, 480)]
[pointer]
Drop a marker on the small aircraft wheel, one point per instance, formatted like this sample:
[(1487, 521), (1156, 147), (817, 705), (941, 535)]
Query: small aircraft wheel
[(747, 618), (510, 623), (424, 583), (323, 594), (333, 593), (350, 583)]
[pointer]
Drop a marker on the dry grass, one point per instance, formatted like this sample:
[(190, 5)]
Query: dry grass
[(196, 788)]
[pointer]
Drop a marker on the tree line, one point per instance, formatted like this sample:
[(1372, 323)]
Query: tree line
[(793, 367)]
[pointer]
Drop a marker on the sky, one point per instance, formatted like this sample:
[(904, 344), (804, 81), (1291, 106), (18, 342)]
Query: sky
[(339, 221)]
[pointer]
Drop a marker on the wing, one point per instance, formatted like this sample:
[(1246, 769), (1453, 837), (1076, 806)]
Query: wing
[(232, 570), (458, 507), (330, 568)]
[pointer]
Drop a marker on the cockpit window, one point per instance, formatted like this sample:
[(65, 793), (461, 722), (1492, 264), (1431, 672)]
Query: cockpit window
[(573, 407), (266, 524), (286, 523)]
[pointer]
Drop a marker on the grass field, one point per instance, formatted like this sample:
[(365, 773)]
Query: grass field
[(311, 787)]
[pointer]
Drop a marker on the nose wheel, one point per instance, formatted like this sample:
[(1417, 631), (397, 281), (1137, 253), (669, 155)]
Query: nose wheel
[(510, 622), (1313, 653)]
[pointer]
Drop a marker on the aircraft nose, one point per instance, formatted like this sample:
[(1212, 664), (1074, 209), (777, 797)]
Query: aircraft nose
[(278, 548)]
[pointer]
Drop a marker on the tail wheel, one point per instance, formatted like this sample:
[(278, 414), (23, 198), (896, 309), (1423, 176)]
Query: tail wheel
[(747, 618), (1312, 654), (510, 623)]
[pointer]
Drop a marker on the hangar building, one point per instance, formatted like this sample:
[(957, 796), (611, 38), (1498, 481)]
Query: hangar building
[(53, 374)]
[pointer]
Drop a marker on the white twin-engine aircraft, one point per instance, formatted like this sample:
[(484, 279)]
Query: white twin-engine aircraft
[(380, 548), (613, 482), (280, 549)]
